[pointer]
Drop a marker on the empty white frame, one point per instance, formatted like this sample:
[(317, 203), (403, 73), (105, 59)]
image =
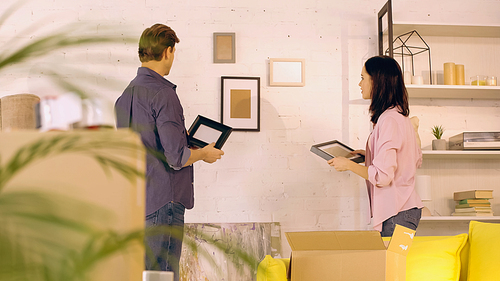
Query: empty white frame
[(287, 72)]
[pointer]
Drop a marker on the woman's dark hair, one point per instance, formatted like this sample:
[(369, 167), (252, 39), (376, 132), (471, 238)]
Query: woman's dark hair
[(388, 89), (154, 40)]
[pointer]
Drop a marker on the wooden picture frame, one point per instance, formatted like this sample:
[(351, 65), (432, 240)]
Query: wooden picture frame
[(287, 72), (240, 103), (204, 131), (224, 47)]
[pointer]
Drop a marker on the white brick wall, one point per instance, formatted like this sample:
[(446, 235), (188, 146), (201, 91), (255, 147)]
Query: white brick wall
[(268, 175)]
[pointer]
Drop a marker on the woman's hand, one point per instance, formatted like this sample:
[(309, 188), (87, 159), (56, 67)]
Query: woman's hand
[(359, 151), (340, 164)]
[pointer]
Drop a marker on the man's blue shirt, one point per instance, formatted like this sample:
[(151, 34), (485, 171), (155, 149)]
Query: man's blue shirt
[(150, 106)]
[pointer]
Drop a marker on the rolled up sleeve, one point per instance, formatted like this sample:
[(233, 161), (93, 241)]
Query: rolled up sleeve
[(382, 170), (171, 129)]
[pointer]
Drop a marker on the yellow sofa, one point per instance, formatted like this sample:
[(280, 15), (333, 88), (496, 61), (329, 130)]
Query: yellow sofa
[(465, 257)]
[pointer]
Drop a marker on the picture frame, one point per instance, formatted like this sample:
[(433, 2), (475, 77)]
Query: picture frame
[(385, 14), (335, 148), (204, 131), (240, 103), (224, 47), (287, 72)]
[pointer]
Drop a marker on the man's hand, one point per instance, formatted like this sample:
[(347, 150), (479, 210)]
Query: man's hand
[(211, 154)]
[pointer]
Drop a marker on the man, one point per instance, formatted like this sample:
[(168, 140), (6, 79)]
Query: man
[(151, 107)]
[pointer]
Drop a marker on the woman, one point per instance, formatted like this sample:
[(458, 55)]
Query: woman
[(392, 153)]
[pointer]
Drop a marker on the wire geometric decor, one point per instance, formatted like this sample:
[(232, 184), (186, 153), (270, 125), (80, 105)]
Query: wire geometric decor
[(402, 48)]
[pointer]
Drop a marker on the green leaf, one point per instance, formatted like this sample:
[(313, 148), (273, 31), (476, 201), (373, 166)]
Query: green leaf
[(437, 131)]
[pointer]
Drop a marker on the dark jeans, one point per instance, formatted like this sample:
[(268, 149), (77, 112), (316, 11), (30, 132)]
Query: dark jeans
[(164, 231), (409, 218)]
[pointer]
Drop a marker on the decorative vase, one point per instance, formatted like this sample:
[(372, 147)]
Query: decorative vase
[(439, 144)]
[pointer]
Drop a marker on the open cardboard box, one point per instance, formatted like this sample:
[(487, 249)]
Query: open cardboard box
[(349, 255)]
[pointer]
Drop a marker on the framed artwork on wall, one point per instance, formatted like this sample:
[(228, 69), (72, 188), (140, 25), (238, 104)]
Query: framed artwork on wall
[(224, 48), (287, 72), (240, 103)]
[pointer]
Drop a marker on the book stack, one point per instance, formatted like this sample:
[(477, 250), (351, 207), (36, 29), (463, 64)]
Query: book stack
[(473, 203)]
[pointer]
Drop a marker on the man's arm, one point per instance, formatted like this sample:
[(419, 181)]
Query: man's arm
[(209, 154)]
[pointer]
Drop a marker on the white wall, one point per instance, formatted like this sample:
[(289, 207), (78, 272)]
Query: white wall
[(268, 175)]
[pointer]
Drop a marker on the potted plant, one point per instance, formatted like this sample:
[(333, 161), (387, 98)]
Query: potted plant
[(438, 143)]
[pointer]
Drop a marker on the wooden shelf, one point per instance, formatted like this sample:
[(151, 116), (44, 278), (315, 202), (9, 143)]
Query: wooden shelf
[(449, 30), (459, 218), (467, 154), (453, 91)]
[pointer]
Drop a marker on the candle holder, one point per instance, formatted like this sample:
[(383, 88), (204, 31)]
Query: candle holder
[(491, 81), (478, 80)]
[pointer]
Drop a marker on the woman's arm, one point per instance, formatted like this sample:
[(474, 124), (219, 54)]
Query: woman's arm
[(343, 164)]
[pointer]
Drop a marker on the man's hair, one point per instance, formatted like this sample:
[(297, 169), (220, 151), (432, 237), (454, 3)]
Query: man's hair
[(154, 40), (388, 88)]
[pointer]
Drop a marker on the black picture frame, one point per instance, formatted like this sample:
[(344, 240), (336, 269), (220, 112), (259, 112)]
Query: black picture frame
[(246, 117), (204, 131), (332, 149), (385, 11)]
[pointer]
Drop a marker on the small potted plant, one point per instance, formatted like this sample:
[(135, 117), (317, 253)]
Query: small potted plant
[(438, 143)]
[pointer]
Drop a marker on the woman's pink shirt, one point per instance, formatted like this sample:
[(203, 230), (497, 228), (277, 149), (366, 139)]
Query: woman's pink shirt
[(392, 157)]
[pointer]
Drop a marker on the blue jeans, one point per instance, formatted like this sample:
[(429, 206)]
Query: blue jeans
[(409, 218), (164, 231)]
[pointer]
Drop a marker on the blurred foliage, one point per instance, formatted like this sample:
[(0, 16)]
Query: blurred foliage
[(42, 237), (42, 234), (19, 52)]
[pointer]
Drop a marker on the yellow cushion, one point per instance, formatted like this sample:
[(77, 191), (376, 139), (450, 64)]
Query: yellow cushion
[(435, 258), (272, 269), (484, 252)]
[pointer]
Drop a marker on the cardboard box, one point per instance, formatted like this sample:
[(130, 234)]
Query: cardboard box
[(349, 255), (79, 176)]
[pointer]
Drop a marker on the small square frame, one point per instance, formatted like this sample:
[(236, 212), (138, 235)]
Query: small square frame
[(287, 72), (224, 47), (204, 131), (240, 103), (335, 148)]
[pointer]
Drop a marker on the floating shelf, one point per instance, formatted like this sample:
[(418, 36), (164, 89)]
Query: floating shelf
[(459, 218), (447, 30), (453, 91), (470, 154)]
